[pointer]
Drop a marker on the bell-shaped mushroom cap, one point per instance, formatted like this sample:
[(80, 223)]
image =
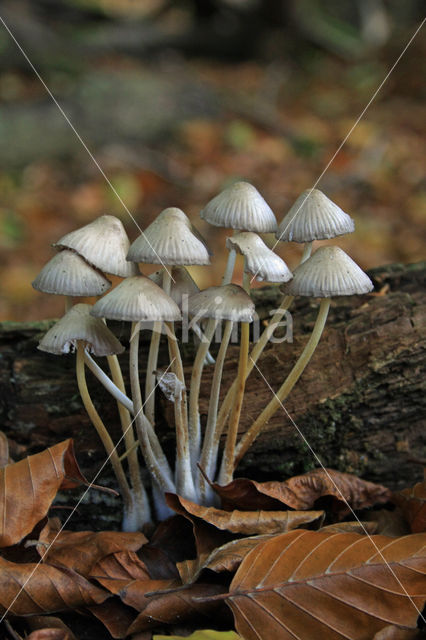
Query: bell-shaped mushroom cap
[(328, 272), (228, 302), (68, 274), (137, 299), (78, 324), (240, 206), (104, 244), (314, 217), (170, 239), (260, 261), (182, 283)]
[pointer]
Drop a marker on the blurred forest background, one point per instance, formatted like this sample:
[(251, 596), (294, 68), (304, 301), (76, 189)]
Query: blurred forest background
[(178, 98)]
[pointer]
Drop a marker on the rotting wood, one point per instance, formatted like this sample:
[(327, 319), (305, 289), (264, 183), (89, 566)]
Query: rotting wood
[(360, 403)]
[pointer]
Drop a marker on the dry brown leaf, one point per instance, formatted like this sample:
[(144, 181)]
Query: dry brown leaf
[(116, 571), (115, 616), (250, 522), (395, 633), (176, 607), (81, 550), (308, 584), (28, 487), (27, 589), (412, 501), (4, 450), (301, 492), (49, 634), (228, 557), (44, 623), (356, 526)]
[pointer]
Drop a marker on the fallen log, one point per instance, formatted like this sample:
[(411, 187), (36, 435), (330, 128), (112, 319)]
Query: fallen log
[(358, 407)]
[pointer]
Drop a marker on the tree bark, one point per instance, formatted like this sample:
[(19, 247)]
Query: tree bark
[(358, 407)]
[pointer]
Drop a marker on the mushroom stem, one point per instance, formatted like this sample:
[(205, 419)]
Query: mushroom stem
[(102, 431), (159, 471), (210, 448), (153, 357), (307, 250), (194, 392), (68, 303), (109, 385), (253, 358), (184, 480), (282, 393), (229, 270), (150, 369), (227, 467), (129, 437)]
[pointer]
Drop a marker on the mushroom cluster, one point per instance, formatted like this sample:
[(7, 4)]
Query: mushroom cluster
[(156, 303)]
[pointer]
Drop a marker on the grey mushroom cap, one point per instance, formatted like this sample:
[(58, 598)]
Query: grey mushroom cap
[(170, 240), (182, 283), (68, 274), (328, 272), (137, 299), (314, 217), (240, 206), (227, 302), (260, 261), (76, 325), (104, 244)]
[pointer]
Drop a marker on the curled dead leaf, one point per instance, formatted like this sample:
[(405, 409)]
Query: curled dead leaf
[(412, 501)]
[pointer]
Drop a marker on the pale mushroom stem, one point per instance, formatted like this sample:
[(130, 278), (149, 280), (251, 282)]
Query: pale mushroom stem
[(184, 480), (106, 439), (210, 448), (68, 303), (159, 471), (253, 358), (227, 467), (230, 265), (307, 250), (194, 392), (282, 393), (129, 437), (150, 375), (107, 383), (153, 357)]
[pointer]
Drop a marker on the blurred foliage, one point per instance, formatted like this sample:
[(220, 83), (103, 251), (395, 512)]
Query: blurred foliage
[(177, 99)]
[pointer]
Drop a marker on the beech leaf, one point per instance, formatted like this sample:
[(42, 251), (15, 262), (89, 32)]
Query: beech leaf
[(412, 501), (301, 492), (28, 488), (81, 550), (206, 634), (27, 589), (308, 584)]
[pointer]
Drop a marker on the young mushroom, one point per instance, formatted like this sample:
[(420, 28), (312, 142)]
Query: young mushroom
[(79, 331), (239, 207), (232, 304), (138, 299), (327, 273), (170, 240), (313, 217)]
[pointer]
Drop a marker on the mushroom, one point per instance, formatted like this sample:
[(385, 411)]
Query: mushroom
[(104, 244), (171, 240), (328, 272), (138, 299), (239, 207), (68, 274), (79, 331), (232, 304), (313, 217)]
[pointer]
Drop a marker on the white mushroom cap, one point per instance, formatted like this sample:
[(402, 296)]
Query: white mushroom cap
[(314, 217), (104, 244), (171, 239), (137, 299), (228, 302), (240, 206), (260, 261), (328, 272), (182, 283), (78, 324), (68, 274)]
